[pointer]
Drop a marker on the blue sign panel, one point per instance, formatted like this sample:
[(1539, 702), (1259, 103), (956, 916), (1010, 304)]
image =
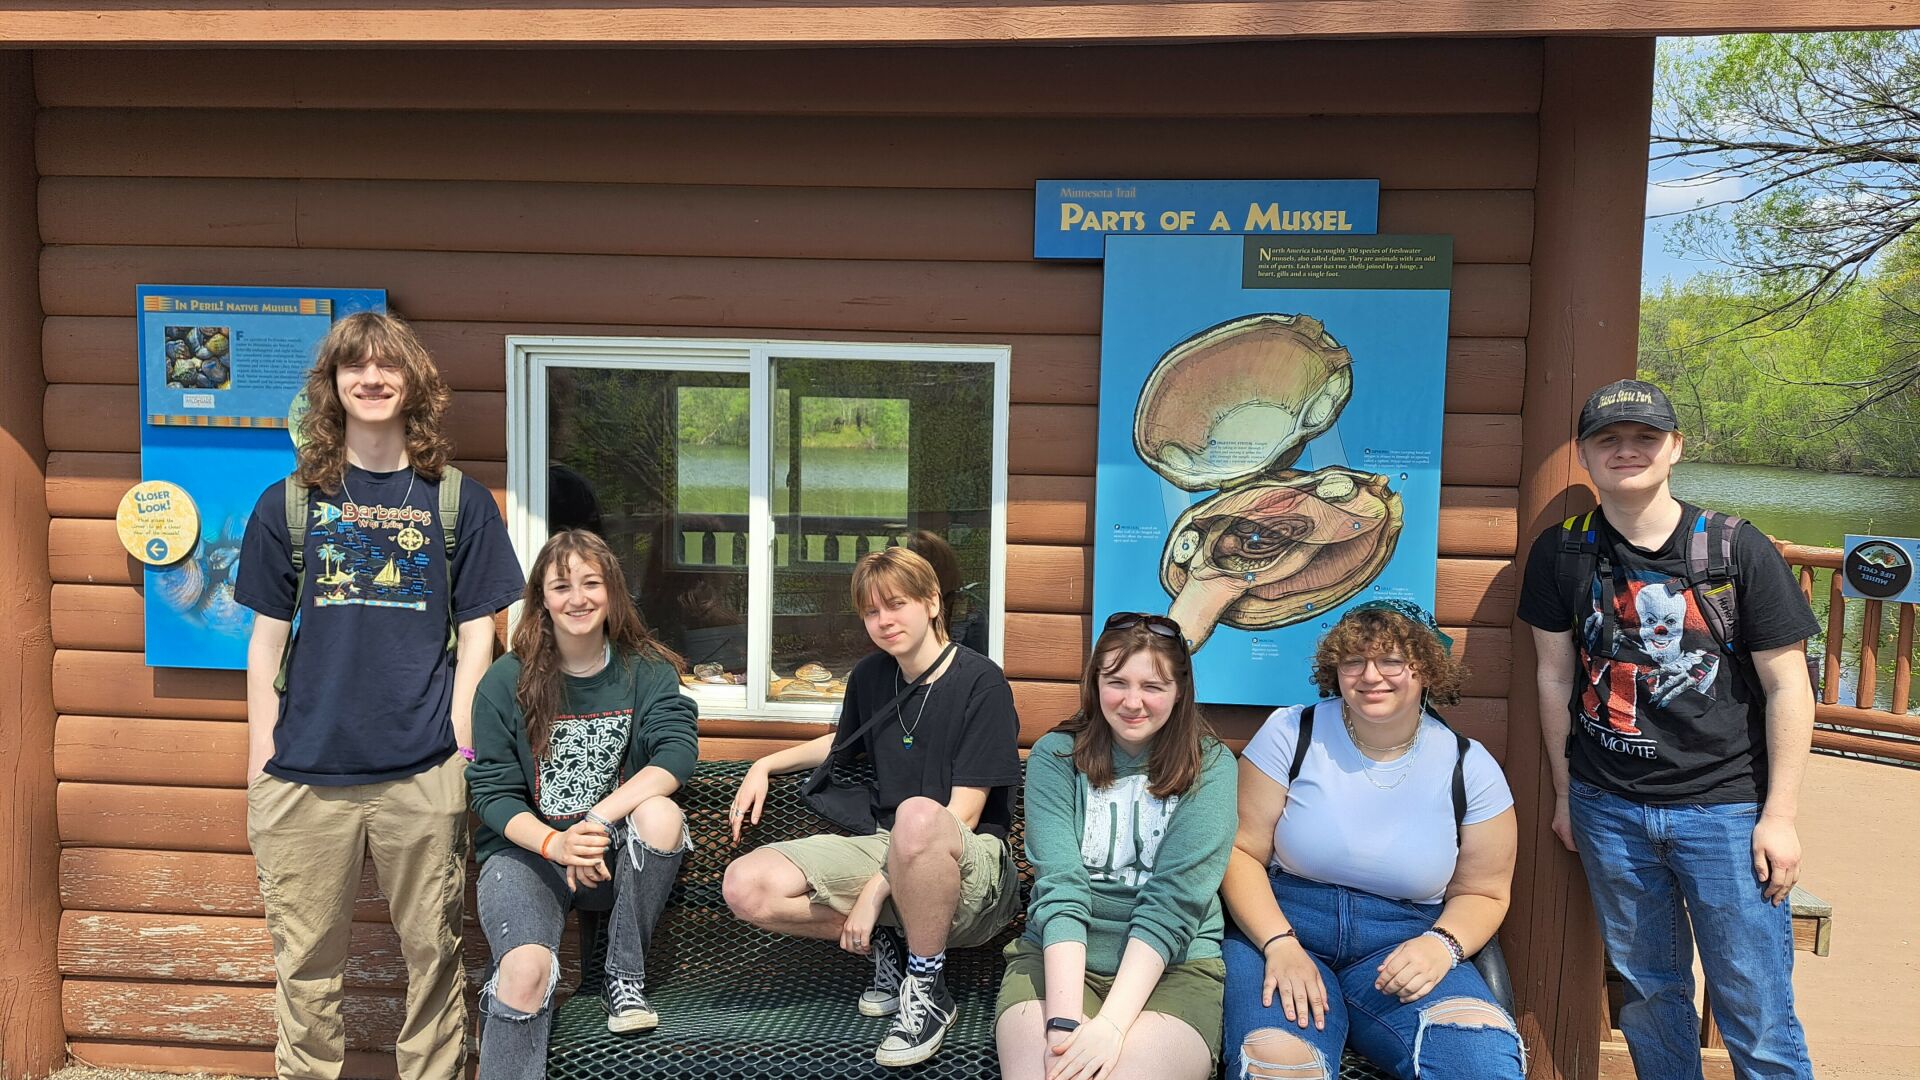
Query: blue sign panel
[(1880, 568), (1269, 447), (1072, 218), (246, 351)]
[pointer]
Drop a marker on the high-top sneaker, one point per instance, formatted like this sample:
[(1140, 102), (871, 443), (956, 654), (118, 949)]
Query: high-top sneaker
[(926, 1012), (882, 997), (627, 1008)]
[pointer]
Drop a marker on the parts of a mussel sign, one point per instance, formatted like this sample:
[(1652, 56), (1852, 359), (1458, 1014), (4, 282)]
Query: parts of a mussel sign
[(158, 522), (1073, 218)]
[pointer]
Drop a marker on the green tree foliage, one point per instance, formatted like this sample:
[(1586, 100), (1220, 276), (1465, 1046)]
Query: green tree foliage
[(1811, 344), (1787, 396)]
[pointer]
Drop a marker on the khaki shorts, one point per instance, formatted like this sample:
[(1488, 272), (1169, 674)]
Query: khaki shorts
[(838, 867), (1193, 992)]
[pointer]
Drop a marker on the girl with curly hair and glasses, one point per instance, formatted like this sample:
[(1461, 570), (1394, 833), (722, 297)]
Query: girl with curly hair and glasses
[(1375, 854)]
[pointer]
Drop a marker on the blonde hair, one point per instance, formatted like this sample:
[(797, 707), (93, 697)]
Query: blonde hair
[(896, 571), (387, 340)]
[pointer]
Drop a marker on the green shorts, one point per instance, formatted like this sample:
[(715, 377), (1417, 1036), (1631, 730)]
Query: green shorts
[(1193, 992), (838, 867)]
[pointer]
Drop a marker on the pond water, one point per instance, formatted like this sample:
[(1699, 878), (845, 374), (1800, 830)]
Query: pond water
[(1817, 509)]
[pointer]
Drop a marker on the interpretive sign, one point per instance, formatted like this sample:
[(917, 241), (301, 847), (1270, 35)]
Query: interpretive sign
[(1269, 447), (1880, 568)]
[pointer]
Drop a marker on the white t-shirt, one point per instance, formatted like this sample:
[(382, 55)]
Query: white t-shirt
[(1340, 828)]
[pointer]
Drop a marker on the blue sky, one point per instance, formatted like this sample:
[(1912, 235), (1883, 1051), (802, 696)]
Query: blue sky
[(1665, 195)]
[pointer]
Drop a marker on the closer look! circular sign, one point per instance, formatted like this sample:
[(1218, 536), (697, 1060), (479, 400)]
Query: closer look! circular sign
[(1878, 569), (158, 522)]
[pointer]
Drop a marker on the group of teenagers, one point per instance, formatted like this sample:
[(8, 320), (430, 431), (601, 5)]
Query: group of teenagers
[(1323, 890)]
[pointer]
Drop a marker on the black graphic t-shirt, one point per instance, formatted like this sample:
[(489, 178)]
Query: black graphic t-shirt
[(370, 685), (964, 730), (1671, 717)]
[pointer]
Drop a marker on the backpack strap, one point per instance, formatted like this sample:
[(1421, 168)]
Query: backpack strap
[(1459, 785), (1711, 573), (1579, 563), (450, 484), (296, 503), (1300, 742)]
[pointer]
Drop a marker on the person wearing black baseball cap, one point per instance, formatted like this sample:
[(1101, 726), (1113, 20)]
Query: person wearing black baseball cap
[(1677, 713)]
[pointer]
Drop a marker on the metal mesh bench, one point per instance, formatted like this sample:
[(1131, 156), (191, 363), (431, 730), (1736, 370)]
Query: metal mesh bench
[(737, 1002)]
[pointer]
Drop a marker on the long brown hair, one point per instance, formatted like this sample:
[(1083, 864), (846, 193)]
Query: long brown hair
[(1176, 757), (388, 340), (542, 688)]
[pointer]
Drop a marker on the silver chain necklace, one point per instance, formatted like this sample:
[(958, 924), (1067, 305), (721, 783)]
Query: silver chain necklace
[(906, 733), (606, 658), (1400, 764), (411, 477)]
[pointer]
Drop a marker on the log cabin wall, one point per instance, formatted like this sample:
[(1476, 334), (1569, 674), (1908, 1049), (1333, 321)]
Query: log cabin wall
[(853, 195)]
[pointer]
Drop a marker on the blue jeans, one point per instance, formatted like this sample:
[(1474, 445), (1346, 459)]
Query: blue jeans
[(1661, 876), (1348, 933)]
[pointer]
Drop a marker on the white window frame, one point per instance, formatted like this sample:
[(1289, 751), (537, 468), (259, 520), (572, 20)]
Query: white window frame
[(529, 359)]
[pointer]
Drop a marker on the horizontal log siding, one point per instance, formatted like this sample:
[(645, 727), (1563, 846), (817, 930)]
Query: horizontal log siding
[(670, 195)]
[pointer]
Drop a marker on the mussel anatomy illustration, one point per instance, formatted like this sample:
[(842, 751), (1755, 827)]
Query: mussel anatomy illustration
[(1229, 410)]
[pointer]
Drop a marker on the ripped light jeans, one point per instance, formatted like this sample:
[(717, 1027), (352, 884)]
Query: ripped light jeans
[(524, 900), (1348, 933)]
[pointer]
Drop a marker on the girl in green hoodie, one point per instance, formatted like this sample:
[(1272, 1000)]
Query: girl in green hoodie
[(1130, 818), (581, 735)]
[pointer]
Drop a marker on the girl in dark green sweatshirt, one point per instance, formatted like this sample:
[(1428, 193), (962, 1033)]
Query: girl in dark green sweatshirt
[(581, 735), (1130, 818)]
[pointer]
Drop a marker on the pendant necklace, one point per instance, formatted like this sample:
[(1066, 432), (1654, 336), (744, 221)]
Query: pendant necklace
[(906, 733), (1399, 765)]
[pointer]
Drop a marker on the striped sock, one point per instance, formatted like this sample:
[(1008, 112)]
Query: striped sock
[(926, 967)]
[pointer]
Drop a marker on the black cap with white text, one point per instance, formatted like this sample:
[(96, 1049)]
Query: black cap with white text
[(1628, 399)]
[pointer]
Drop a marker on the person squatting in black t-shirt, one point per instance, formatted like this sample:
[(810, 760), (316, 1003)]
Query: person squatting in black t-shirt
[(1676, 757), (365, 750), (945, 763)]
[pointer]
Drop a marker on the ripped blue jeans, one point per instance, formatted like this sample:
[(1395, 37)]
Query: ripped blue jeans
[(1442, 1036), (523, 900)]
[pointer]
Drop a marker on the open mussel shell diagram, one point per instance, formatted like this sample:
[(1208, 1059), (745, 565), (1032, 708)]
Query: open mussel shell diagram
[(1230, 409)]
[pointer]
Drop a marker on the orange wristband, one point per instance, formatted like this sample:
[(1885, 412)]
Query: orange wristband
[(551, 833)]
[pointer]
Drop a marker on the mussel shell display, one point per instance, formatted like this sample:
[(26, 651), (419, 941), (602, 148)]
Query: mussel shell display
[(217, 344), (222, 612), (178, 333), (180, 586), (177, 350), (215, 371), (1240, 399), (1328, 533)]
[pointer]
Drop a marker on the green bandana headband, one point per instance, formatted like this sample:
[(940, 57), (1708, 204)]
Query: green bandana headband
[(1407, 609)]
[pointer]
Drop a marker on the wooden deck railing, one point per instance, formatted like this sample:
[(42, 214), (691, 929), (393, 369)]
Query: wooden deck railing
[(1859, 727)]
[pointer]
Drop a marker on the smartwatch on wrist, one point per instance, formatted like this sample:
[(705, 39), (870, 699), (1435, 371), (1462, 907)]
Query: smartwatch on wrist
[(1062, 1023)]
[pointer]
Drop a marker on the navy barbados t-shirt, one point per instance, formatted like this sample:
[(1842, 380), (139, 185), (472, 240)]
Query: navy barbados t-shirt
[(370, 686)]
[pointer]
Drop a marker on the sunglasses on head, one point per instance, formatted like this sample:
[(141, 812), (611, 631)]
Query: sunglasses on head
[(1158, 624)]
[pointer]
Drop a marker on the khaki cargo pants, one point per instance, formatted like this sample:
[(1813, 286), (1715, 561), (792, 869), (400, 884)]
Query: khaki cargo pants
[(309, 843)]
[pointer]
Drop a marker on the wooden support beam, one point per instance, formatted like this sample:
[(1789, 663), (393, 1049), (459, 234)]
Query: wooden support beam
[(1589, 206), (32, 1034)]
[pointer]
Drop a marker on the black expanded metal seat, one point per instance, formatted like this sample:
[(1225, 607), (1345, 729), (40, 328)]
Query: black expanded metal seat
[(736, 1002)]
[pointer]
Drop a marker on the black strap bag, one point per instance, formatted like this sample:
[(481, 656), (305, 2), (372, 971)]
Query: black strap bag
[(830, 792)]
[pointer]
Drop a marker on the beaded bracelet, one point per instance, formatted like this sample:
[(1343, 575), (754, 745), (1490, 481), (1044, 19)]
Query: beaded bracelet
[(1454, 951)]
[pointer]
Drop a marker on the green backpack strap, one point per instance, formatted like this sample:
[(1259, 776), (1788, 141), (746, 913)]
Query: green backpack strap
[(450, 484), (296, 507)]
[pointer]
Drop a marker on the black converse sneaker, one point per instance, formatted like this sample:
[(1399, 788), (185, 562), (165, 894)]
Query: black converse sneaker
[(926, 1012), (882, 997), (627, 1008)]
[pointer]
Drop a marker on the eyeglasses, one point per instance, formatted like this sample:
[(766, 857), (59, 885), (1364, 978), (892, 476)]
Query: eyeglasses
[(1158, 624), (1391, 667)]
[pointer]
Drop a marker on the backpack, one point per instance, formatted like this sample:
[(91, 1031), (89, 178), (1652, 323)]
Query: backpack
[(1459, 763), (297, 499), (1712, 576)]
